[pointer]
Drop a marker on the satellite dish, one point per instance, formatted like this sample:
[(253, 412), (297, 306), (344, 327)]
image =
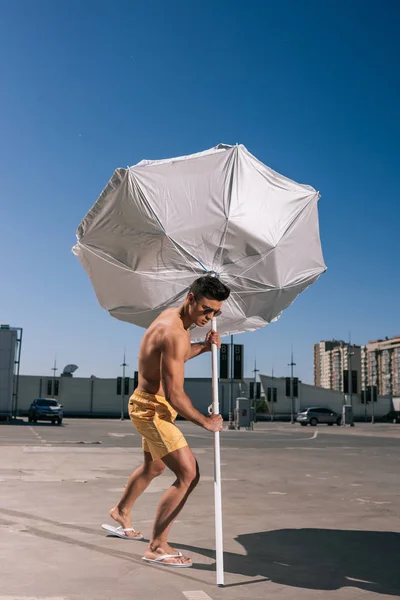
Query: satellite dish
[(69, 369)]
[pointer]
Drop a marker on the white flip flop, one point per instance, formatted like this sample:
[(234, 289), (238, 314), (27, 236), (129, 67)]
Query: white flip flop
[(159, 561), (121, 532)]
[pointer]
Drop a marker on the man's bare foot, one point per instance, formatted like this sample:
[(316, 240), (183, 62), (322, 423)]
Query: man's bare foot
[(124, 520), (157, 551)]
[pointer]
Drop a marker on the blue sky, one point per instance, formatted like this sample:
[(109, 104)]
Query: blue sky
[(311, 88)]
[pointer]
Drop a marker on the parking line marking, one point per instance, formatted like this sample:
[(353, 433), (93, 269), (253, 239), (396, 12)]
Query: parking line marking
[(359, 580), (40, 438), (196, 595)]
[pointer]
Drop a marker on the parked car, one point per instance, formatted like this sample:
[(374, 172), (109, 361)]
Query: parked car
[(392, 417), (45, 409), (318, 414)]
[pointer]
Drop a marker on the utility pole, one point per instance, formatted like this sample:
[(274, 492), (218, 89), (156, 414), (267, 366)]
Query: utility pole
[(291, 365), (349, 355), (123, 388), (378, 377), (54, 369), (255, 371), (230, 363), (272, 394), (372, 405)]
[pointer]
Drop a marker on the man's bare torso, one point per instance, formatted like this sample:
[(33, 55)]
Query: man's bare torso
[(166, 324)]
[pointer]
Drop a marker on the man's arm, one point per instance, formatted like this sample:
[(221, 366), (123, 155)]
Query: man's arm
[(196, 349), (212, 337), (173, 353)]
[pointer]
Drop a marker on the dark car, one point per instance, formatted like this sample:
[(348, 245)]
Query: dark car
[(392, 417), (318, 414), (45, 409)]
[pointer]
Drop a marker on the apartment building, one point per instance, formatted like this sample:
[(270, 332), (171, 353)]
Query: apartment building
[(381, 365), (331, 360)]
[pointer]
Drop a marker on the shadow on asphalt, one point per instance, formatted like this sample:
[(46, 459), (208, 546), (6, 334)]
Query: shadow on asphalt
[(317, 559)]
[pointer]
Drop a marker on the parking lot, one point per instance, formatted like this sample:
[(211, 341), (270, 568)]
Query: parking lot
[(309, 512)]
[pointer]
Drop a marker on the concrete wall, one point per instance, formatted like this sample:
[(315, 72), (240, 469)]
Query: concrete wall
[(310, 395), (199, 390), (79, 395), (97, 397)]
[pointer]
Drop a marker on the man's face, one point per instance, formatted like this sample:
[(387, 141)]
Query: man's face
[(202, 310)]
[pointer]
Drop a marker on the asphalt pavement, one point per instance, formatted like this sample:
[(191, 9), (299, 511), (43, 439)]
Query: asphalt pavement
[(308, 513)]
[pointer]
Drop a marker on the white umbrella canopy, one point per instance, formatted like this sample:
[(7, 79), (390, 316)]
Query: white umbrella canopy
[(159, 225)]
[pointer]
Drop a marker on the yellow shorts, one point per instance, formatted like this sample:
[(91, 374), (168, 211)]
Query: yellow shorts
[(154, 418)]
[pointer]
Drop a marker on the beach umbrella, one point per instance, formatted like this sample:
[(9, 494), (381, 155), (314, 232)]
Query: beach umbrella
[(159, 225)]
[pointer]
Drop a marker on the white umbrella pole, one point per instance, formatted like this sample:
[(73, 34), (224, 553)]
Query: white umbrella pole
[(217, 469)]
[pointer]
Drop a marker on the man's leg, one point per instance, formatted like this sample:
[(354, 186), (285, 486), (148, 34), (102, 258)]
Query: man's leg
[(137, 483), (183, 463)]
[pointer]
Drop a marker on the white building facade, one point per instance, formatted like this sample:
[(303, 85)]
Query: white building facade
[(311, 395), (98, 398)]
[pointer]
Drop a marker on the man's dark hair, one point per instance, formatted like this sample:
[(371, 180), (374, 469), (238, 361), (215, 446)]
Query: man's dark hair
[(209, 287)]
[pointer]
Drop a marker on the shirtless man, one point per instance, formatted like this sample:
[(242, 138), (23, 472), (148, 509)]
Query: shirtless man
[(154, 406)]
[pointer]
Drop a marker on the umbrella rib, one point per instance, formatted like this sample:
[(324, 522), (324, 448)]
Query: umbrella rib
[(116, 263), (102, 257), (237, 305), (229, 209), (259, 287), (253, 264), (263, 256), (178, 247), (175, 244)]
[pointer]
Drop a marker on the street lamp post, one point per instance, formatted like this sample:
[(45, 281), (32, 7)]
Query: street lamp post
[(272, 395), (291, 365), (123, 388), (377, 382), (54, 369), (230, 366), (254, 402), (349, 355)]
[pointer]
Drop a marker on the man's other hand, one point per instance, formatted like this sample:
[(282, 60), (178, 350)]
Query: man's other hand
[(214, 423), (212, 337)]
